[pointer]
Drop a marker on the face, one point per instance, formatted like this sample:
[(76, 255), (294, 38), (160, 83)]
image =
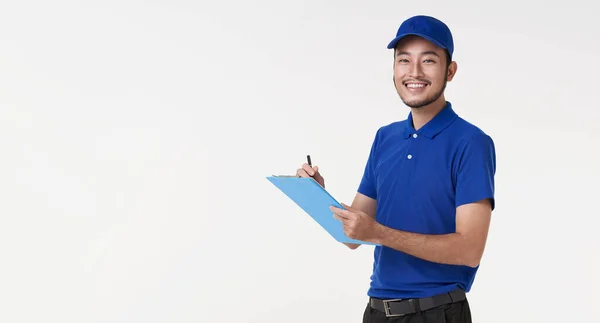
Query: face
[(421, 71)]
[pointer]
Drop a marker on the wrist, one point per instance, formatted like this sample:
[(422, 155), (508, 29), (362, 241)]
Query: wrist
[(379, 234)]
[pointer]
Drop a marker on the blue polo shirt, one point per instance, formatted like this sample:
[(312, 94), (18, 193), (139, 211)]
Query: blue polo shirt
[(419, 178)]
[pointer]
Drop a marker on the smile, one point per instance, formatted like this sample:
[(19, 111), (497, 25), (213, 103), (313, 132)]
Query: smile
[(415, 85)]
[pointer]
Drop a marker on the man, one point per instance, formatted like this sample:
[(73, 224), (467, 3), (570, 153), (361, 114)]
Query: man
[(427, 192)]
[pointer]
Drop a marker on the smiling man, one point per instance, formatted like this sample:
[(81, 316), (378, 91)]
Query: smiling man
[(427, 191)]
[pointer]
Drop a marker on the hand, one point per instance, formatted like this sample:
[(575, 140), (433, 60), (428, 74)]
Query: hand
[(307, 171), (357, 224)]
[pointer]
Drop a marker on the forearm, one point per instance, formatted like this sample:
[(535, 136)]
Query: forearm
[(452, 248)]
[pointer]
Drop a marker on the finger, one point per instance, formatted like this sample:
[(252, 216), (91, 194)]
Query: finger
[(345, 222), (302, 173), (335, 209), (309, 170), (342, 213), (347, 207), (354, 211), (337, 216)]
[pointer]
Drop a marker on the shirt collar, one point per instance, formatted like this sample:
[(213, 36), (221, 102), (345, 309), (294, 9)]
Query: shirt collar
[(436, 125)]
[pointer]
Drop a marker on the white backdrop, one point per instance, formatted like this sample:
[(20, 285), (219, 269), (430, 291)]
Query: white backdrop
[(136, 137)]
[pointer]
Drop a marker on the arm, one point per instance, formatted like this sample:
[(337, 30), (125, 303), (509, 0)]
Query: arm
[(364, 204), (464, 247), (474, 204)]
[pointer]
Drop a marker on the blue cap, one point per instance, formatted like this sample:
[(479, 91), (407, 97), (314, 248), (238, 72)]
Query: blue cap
[(427, 27)]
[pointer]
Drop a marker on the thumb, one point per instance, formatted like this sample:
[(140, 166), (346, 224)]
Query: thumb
[(347, 207), (316, 168)]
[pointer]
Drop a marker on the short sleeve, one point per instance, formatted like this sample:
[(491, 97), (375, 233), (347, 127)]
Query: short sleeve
[(368, 183), (476, 171)]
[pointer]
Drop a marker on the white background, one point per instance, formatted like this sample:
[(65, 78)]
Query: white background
[(136, 136)]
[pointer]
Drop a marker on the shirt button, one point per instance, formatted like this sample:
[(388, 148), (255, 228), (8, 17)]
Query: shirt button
[(415, 135), (409, 156)]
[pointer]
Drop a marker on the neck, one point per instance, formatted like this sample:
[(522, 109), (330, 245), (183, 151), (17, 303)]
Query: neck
[(424, 114)]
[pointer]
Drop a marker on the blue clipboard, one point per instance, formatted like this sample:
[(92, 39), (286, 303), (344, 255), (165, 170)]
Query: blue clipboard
[(313, 199)]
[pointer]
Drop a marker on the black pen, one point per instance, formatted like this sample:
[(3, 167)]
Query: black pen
[(309, 163)]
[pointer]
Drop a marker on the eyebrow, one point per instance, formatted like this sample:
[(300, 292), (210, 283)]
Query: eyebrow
[(429, 52)]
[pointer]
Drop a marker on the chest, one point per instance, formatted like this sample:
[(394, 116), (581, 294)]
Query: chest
[(416, 181)]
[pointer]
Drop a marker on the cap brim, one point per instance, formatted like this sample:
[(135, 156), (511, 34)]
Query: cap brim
[(395, 41)]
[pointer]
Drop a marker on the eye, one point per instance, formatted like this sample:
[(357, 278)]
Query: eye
[(429, 61), (402, 60)]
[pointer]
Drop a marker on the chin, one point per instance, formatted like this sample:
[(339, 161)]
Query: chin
[(420, 100), (416, 103), (420, 96)]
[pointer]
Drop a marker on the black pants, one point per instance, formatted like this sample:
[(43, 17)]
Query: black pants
[(458, 312)]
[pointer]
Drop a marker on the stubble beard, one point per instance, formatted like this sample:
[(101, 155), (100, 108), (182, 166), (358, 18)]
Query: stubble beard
[(415, 104)]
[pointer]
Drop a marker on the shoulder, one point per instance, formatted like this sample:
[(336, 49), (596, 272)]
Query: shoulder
[(392, 129), (468, 134), (474, 148), (387, 133), (468, 129)]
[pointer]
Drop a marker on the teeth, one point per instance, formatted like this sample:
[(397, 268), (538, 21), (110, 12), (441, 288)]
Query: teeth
[(415, 85)]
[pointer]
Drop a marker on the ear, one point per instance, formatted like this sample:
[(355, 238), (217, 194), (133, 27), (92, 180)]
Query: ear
[(452, 70)]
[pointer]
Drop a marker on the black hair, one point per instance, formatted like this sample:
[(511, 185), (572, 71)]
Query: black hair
[(448, 59)]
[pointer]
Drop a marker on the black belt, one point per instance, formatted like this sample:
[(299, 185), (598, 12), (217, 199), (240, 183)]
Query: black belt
[(400, 307)]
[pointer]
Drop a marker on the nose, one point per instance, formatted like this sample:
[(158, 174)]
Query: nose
[(416, 70)]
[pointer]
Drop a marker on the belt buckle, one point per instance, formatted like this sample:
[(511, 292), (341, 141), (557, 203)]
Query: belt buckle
[(386, 307)]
